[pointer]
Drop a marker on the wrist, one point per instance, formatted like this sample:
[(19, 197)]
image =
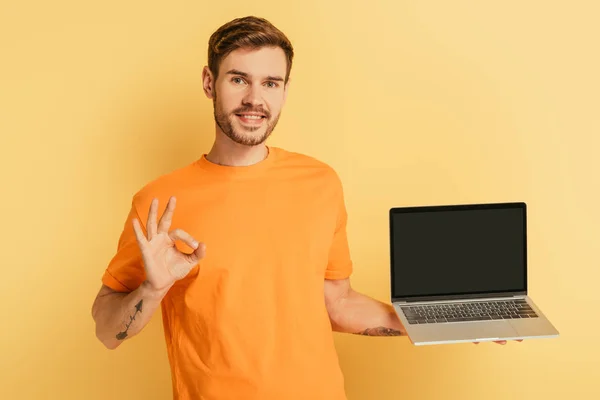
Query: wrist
[(150, 291)]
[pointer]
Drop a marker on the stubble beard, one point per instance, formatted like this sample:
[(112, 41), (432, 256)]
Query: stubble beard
[(225, 122)]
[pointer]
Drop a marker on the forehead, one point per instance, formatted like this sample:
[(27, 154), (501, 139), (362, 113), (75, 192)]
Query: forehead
[(259, 63)]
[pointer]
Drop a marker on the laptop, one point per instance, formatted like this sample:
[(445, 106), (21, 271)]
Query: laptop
[(459, 274)]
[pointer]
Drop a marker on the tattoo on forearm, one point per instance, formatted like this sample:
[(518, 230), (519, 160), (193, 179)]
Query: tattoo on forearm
[(138, 309), (381, 331)]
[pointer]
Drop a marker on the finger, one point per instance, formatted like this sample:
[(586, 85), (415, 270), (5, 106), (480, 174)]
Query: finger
[(180, 234), (165, 220), (151, 224), (139, 234), (501, 341), (199, 253)]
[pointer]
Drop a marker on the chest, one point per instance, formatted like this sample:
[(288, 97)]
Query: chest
[(259, 229)]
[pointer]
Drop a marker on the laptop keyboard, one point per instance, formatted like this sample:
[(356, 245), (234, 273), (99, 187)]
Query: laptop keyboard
[(468, 312)]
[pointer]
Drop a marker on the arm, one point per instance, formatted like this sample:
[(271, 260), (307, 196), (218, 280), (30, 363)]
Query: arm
[(122, 315), (353, 312), (119, 316)]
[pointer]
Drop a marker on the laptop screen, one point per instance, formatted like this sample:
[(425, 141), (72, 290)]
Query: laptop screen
[(458, 250)]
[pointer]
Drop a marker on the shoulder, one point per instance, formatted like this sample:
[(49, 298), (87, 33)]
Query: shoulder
[(293, 160), (164, 186)]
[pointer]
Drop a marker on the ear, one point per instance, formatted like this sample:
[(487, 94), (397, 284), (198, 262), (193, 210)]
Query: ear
[(208, 83)]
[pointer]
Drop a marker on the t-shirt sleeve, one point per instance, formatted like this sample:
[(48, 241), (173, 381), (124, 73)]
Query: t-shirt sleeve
[(340, 263), (125, 271)]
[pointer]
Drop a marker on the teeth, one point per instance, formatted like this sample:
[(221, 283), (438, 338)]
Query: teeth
[(252, 116)]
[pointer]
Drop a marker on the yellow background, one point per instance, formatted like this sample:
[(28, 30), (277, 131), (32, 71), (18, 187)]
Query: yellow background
[(412, 102)]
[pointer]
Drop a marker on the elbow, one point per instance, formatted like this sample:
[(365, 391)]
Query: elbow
[(112, 345), (335, 325), (108, 342), (335, 316), (337, 294)]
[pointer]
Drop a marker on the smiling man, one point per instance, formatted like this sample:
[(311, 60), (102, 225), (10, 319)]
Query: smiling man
[(245, 249)]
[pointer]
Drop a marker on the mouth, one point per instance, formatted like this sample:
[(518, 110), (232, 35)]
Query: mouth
[(251, 119)]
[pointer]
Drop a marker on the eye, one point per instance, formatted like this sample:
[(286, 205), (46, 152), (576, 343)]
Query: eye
[(274, 84), (235, 79)]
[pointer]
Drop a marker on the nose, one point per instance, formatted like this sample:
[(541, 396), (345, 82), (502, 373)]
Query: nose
[(253, 96)]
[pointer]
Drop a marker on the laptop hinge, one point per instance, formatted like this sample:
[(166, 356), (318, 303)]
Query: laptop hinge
[(460, 297)]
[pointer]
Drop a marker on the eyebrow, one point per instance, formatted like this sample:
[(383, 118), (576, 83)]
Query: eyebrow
[(246, 75)]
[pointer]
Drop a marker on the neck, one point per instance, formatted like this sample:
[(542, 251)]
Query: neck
[(227, 152)]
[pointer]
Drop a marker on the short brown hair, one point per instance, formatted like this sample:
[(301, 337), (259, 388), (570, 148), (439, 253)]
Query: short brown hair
[(247, 32)]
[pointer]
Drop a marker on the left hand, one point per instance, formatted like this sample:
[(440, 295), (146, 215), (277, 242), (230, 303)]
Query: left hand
[(501, 341)]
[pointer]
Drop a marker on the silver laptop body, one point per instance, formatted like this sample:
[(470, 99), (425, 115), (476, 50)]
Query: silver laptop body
[(459, 274)]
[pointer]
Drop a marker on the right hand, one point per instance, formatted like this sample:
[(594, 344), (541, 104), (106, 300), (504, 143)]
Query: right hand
[(163, 262)]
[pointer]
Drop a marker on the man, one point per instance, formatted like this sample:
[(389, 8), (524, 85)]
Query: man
[(252, 268)]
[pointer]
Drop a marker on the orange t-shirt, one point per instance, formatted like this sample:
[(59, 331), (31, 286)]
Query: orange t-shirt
[(249, 321)]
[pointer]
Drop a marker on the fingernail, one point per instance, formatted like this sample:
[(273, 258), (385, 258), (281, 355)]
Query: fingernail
[(195, 244)]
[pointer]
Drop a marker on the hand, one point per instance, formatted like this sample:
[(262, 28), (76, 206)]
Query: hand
[(501, 341), (163, 262)]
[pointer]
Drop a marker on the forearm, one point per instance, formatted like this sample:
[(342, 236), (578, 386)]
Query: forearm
[(360, 314), (120, 316)]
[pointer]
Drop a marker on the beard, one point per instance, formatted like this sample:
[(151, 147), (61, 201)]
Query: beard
[(243, 135)]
